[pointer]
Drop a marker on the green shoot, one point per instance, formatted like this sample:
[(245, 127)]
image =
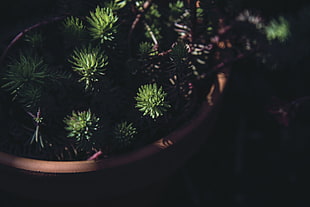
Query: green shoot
[(81, 126), (73, 26), (89, 62), (124, 135), (179, 53), (35, 39), (25, 73), (102, 24), (278, 29), (146, 49), (151, 100)]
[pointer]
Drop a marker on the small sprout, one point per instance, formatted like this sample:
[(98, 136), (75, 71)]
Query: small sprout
[(146, 49), (116, 4), (82, 126), (25, 73), (73, 26), (30, 96), (179, 53), (153, 11), (152, 25), (102, 23), (151, 100), (37, 137), (35, 39), (200, 12), (176, 10), (176, 7), (278, 29), (124, 135), (90, 63)]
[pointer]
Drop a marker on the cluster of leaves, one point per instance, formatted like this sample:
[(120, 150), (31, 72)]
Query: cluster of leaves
[(25, 78), (74, 27), (90, 63), (146, 49), (124, 135), (151, 100), (116, 4), (278, 29), (82, 126), (35, 39), (102, 23), (179, 53)]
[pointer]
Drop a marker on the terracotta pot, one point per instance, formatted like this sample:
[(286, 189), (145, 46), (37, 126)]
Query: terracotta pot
[(133, 176)]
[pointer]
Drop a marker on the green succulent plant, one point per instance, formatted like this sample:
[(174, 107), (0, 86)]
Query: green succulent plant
[(102, 24), (30, 96), (151, 100), (176, 7), (278, 29), (90, 63), (26, 72), (179, 53), (73, 26), (124, 135), (116, 4), (35, 39), (81, 126), (146, 49)]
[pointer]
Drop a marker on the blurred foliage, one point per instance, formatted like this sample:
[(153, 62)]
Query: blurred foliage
[(35, 39), (25, 77), (278, 29), (124, 135), (74, 27)]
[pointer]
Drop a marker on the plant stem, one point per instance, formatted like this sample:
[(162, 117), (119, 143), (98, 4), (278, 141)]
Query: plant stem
[(148, 28), (139, 15), (95, 155)]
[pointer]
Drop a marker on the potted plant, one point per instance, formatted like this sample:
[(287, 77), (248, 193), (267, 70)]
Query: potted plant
[(112, 101)]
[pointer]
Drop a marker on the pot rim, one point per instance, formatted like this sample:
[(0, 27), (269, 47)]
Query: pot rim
[(45, 166)]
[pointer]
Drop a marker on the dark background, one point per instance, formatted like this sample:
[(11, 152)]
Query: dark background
[(250, 160)]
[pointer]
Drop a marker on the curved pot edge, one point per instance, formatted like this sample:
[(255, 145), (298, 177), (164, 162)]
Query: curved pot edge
[(43, 166)]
